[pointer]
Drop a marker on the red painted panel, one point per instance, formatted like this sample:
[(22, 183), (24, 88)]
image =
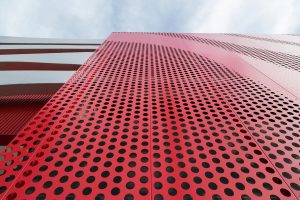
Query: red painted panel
[(37, 66), (33, 51), (18, 104), (14, 116), (150, 116)]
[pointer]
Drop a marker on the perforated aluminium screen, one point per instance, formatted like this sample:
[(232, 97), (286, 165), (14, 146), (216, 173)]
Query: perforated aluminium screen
[(278, 58), (266, 39), (145, 118), (18, 104), (15, 111)]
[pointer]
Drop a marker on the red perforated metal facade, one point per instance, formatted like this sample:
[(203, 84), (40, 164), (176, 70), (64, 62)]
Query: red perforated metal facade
[(163, 116), (18, 104), (31, 71)]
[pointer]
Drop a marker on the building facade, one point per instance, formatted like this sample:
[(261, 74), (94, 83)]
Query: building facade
[(166, 116), (31, 71)]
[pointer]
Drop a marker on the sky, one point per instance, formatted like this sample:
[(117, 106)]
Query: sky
[(96, 19)]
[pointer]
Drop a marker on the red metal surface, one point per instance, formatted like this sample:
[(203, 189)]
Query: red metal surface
[(277, 58), (18, 104), (37, 66), (266, 39), (158, 117), (33, 51)]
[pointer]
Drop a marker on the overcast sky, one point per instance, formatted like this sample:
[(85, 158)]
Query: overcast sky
[(97, 18)]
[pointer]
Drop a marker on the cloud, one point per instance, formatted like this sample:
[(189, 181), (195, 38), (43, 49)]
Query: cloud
[(98, 18), (55, 18), (247, 16)]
